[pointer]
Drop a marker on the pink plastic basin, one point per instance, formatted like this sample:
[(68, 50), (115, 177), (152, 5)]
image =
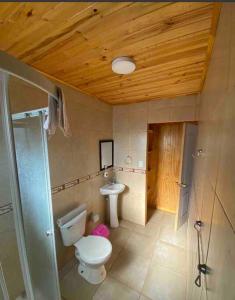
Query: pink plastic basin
[(101, 230)]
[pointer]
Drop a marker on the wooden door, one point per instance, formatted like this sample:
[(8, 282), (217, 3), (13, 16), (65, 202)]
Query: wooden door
[(169, 148)]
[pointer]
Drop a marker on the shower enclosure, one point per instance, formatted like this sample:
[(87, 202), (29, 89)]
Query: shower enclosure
[(28, 267)]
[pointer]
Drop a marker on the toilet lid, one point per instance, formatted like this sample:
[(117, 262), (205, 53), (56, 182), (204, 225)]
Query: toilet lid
[(93, 249)]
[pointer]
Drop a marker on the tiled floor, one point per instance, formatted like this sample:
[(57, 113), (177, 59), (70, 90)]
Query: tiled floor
[(147, 263)]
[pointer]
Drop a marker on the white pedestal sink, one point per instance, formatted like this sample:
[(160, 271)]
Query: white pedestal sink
[(112, 190)]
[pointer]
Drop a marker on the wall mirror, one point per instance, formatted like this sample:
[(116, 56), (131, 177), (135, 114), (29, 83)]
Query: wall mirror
[(106, 154)]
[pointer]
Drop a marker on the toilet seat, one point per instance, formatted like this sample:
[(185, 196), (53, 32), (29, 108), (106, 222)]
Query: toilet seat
[(93, 249)]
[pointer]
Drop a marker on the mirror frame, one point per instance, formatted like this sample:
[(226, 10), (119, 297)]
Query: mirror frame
[(100, 146)]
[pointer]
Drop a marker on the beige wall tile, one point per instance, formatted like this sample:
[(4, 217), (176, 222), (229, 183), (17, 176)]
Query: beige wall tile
[(138, 116), (159, 115), (221, 257), (214, 170), (214, 94), (157, 104), (183, 113), (132, 200), (120, 118), (232, 51), (25, 97), (138, 146), (193, 292), (190, 100), (121, 147), (226, 173), (130, 139), (206, 217)]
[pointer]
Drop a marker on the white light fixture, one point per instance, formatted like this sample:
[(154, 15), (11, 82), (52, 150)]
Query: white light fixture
[(123, 65)]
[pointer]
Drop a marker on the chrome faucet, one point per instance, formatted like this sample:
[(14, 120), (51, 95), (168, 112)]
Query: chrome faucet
[(112, 180)]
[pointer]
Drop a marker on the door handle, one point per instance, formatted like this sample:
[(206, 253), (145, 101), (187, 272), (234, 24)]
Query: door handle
[(181, 184)]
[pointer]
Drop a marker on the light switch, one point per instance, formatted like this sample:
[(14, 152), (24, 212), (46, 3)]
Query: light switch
[(140, 164)]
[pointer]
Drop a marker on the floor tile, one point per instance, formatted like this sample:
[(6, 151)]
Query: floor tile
[(156, 216), (140, 244), (130, 269), (168, 220), (151, 229), (74, 287), (170, 256), (142, 297), (119, 236), (112, 289), (115, 252), (177, 238), (67, 268), (145, 259), (163, 284)]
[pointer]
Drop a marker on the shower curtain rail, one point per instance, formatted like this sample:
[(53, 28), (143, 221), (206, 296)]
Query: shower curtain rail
[(29, 114), (12, 66)]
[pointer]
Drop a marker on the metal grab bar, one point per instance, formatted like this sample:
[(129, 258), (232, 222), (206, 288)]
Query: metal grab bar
[(5, 209), (202, 268)]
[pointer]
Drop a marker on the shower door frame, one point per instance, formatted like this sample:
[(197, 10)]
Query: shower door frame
[(11, 66)]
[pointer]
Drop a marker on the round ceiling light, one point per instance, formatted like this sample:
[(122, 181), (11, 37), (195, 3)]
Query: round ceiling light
[(123, 65)]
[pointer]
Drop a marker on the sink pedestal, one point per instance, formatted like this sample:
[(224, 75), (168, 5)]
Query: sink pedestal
[(112, 190), (114, 223)]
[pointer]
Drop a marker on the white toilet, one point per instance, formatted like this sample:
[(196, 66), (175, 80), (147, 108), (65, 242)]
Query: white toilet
[(91, 251)]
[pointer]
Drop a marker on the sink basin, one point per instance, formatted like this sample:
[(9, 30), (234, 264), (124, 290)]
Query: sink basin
[(112, 190)]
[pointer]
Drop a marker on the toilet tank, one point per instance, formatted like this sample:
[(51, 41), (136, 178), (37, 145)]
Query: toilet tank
[(72, 225)]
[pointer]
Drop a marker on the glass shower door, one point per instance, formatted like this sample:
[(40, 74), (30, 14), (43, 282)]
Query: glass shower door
[(11, 276), (34, 183)]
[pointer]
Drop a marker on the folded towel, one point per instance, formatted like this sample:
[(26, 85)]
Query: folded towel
[(57, 115), (62, 114), (51, 121)]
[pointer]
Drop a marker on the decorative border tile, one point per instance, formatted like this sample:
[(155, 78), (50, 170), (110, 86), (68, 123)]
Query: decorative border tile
[(76, 181), (130, 170)]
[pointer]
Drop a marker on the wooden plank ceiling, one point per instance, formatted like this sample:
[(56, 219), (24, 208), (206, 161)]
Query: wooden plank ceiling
[(76, 42)]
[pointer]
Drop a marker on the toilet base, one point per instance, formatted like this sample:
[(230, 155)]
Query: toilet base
[(92, 275)]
